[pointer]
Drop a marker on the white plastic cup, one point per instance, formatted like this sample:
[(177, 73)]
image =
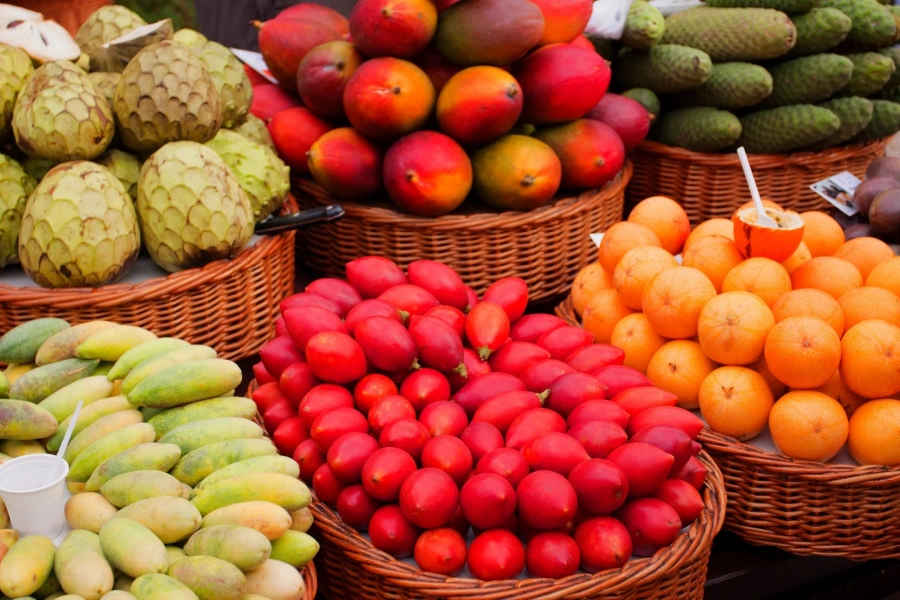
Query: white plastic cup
[(34, 507)]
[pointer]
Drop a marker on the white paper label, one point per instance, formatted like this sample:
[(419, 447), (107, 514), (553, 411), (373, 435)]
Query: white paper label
[(255, 61), (670, 7), (608, 18), (838, 190)]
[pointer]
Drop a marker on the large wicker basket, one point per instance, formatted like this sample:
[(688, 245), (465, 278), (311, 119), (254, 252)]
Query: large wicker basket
[(545, 247), (713, 185), (68, 13), (311, 581), (230, 305)]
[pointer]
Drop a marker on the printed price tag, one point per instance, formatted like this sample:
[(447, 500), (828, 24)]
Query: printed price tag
[(255, 61), (608, 18), (838, 190)]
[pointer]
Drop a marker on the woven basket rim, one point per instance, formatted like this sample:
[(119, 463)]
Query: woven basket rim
[(311, 579), (158, 287), (760, 161)]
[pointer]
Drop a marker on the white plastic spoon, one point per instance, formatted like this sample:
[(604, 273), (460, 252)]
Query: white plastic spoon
[(65, 443), (763, 219)]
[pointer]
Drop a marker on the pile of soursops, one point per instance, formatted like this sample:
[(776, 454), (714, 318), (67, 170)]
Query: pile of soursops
[(774, 76), (147, 137)]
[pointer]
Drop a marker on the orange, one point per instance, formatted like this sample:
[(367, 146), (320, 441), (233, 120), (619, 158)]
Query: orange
[(829, 274), (862, 304), (722, 227), (836, 389), (736, 401), (733, 328), (589, 281), (622, 237), (761, 367), (766, 204), (886, 275), (777, 243), (865, 253), (636, 269), (808, 425), (673, 300), (870, 359), (810, 303), (666, 218), (680, 367), (760, 276), (605, 310), (803, 352), (821, 234), (636, 337), (873, 433), (801, 255), (715, 256)]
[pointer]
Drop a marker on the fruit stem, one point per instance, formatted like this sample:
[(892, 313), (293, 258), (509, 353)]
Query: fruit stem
[(461, 370), (543, 396), (257, 24), (484, 353), (404, 316), (415, 366)]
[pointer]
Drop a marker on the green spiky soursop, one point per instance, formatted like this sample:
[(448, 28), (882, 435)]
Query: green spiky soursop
[(871, 72), (701, 129), (106, 84), (124, 166), (15, 187), (166, 95), (854, 113), (894, 54), (787, 128), (15, 66), (664, 69), (60, 115), (819, 30), (232, 83), (263, 176), (253, 128), (730, 85), (808, 79), (732, 34), (79, 228), (644, 26), (786, 6), (885, 122), (105, 25), (192, 208), (872, 23)]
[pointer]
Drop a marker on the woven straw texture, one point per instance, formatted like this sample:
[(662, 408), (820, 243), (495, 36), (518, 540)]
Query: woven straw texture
[(230, 305), (68, 13), (312, 582), (566, 312), (545, 247), (713, 185)]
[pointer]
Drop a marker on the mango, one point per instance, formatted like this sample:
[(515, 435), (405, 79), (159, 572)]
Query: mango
[(175, 554), (186, 383), (26, 566), (20, 420), (134, 486), (258, 464), (107, 447), (111, 343), (170, 519), (277, 581), (17, 448), (37, 384), (295, 548), (62, 345), (61, 403), (8, 537), (143, 457), (103, 368), (138, 354), (132, 548), (243, 547), (163, 361), (161, 587), (4, 386), (118, 595), (265, 517), (209, 577), (200, 464), (196, 435), (89, 415), (89, 511), (80, 567), (13, 372), (98, 430), (167, 420), (20, 344), (285, 491), (302, 520)]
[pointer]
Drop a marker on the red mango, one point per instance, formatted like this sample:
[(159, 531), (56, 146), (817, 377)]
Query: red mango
[(331, 425), (439, 346), (598, 410), (443, 282), (487, 327), (636, 400), (618, 378), (568, 391), (501, 410), (423, 387), (563, 341), (321, 399), (515, 357), (387, 344), (304, 299), (475, 368), (453, 316), (270, 99), (652, 523), (372, 276), (511, 294), (530, 425), (306, 321), (409, 300), (645, 466), (672, 416), (593, 357), (338, 291), (336, 357), (278, 354), (370, 308), (261, 375), (554, 451), (668, 439), (538, 377), (598, 438), (370, 388), (478, 391), (530, 328), (284, 43), (296, 381)]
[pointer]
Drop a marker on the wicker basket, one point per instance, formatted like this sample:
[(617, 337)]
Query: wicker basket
[(311, 581), (230, 305), (566, 312), (68, 13), (713, 185), (545, 247)]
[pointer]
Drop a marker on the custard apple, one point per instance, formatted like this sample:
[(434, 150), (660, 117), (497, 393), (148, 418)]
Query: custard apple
[(232, 83), (15, 187), (255, 130), (191, 207), (38, 167), (105, 84), (124, 166), (114, 56), (15, 66), (79, 228), (166, 95), (189, 37), (105, 25), (263, 176), (61, 116)]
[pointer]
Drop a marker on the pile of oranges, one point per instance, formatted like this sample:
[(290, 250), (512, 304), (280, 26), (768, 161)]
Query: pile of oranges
[(808, 347)]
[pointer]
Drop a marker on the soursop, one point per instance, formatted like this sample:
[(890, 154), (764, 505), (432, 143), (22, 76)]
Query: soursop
[(192, 208), (786, 6), (106, 84), (730, 85), (700, 129), (105, 25), (79, 228), (60, 115), (732, 34), (819, 30), (263, 176), (854, 113), (15, 187), (664, 69), (885, 122), (786, 128), (254, 129), (230, 79), (15, 66), (894, 54), (124, 166), (166, 95), (871, 72), (872, 24), (644, 26), (114, 56), (645, 98), (808, 79), (38, 167)]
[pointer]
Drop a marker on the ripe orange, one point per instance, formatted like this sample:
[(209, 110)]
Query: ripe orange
[(636, 269), (821, 234), (673, 300), (810, 303), (765, 202), (803, 352), (733, 328), (801, 255), (590, 280), (870, 359), (721, 227), (761, 367), (602, 314), (836, 389), (715, 256), (622, 237), (736, 401), (808, 425), (865, 303), (829, 274), (873, 433), (666, 218), (886, 275), (865, 253), (760, 276), (680, 367), (636, 337), (777, 243)]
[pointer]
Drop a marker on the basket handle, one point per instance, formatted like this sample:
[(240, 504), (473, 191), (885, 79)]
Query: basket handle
[(332, 212)]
